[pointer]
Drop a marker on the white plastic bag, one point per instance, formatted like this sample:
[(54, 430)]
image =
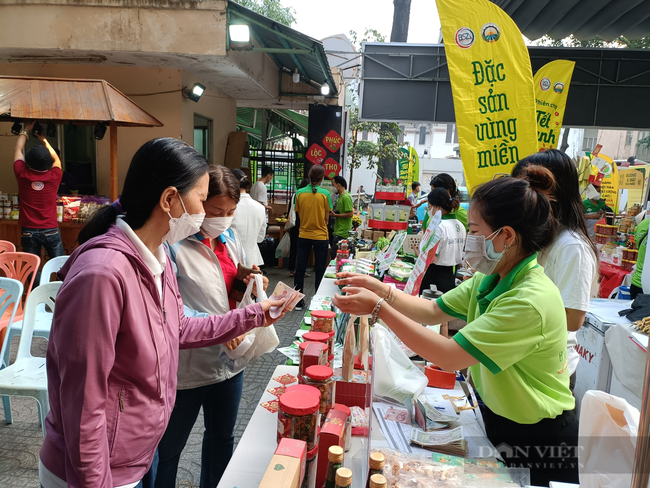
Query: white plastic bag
[(395, 376), (261, 340), (607, 441), (284, 247)]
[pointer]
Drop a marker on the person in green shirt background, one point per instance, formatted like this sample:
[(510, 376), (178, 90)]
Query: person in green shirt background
[(595, 209), (443, 180), (515, 340), (343, 212), (641, 240)]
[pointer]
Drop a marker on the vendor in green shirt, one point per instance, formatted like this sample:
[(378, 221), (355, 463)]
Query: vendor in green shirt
[(343, 212), (595, 209), (443, 180), (641, 240), (515, 340)]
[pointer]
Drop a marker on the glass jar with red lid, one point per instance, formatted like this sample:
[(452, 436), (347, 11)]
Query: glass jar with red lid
[(321, 377), (312, 336), (298, 413), (322, 320)]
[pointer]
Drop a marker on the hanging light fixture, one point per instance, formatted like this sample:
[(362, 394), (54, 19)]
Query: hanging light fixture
[(100, 130), (296, 76), (325, 90), (16, 128)]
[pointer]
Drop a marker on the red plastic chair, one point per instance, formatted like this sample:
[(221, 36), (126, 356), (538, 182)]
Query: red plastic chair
[(6, 246), (23, 267)]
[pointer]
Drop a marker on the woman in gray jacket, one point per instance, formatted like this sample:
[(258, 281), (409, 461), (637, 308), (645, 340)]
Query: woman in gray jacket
[(206, 266)]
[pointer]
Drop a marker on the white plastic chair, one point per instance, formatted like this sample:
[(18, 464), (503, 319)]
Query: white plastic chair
[(27, 376), (11, 292), (52, 266), (43, 323)]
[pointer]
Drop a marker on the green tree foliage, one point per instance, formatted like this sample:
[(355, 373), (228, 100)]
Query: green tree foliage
[(272, 9), (370, 153)]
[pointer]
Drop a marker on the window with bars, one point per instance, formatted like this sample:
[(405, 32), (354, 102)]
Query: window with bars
[(589, 143), (400, 137), (628, 138), (451, 136), (364, 135), (423, 135)]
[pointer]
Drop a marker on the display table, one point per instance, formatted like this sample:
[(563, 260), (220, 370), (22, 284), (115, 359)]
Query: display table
[(256, 447), (10, 231)]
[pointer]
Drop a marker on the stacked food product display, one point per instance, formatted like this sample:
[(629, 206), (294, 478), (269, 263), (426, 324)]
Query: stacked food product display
[(615, 240)]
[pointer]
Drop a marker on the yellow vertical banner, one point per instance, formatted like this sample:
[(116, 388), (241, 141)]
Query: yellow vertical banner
[(492, 85), (609, 186), (414, 171), (551, 84)]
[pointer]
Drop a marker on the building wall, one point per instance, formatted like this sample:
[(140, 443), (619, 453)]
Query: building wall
[(193, 27), (175, 112)]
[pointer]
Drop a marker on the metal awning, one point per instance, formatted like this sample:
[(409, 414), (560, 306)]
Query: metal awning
[(61, 100), (288, 48), (585, 19), (69, 100), (610, 88), (281, 123)]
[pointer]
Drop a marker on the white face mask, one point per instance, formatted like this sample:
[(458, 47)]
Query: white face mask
[(480, 253), (183, 226), (213, 227)]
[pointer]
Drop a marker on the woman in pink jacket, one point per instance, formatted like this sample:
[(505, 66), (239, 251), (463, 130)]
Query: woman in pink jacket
[(119, 323)]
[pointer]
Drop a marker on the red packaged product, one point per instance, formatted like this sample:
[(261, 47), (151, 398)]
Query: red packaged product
[(331, 434), (313, 354)]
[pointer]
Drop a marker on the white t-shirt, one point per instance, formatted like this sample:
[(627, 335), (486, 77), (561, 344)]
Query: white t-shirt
[(452, 242), (259, 192), (570, 263)]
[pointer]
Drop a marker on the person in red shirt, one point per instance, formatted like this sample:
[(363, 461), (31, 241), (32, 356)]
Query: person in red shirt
[(38, 174)]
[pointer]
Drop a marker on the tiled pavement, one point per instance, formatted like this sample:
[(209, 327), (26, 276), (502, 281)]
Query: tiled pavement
[(20, 442)]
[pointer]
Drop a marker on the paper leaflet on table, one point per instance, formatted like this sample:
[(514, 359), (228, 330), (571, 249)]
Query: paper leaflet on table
[(387, 257), (428, 248)]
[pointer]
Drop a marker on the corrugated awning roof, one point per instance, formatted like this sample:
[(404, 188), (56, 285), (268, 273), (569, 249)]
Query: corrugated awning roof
[(282, 123), (288, 48), (64, 100), (584, 19)]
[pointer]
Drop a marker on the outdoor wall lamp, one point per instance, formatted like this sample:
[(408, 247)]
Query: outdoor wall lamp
[(100, 130), (195, 93), (325, 90), (239, 33)]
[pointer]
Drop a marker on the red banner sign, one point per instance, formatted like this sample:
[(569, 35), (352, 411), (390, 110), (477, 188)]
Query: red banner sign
[(316, 154), (333, 141), (332, 168)]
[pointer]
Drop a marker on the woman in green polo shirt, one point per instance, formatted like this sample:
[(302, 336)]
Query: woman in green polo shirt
[(515, 339)]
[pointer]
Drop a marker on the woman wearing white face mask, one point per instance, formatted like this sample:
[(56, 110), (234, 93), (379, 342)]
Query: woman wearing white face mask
[(119, 323), (450, 248), (514, 343), (206, 265)]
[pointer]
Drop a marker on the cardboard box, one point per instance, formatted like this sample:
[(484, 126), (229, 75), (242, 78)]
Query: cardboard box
[(331, 434), (376, 234), (287, 466), (367, 234), (237, 154)]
